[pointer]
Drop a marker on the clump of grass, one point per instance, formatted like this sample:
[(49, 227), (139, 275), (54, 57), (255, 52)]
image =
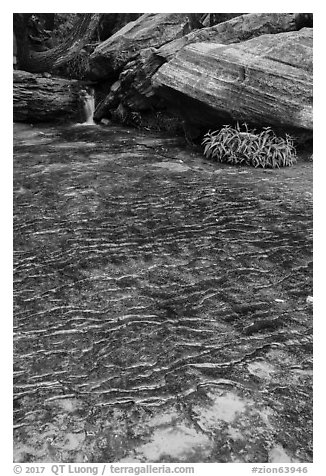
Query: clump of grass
[(243, 147)]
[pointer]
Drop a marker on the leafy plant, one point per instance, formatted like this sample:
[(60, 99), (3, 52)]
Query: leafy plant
[(243, 147)]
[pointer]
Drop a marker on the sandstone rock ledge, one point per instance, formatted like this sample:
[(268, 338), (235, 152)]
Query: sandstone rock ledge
[(37, 98), (265, 80), (149, 30)]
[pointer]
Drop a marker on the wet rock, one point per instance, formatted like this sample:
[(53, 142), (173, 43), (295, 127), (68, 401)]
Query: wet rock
[(262, 325), (123, 286), (265, 80), (172, 166), (105, 122), (178, 443), (261, 369), (278, 455)]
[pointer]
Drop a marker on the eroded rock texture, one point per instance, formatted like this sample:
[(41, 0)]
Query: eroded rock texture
[(135, 91), (44, 99), (160, 309), (150, 30), (134, 88), (235, 30), (265, 80)]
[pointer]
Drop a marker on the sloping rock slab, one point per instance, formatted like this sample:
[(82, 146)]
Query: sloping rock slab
[(135, 89), (149, 30), (265, 80), (235, 30), (44, 99)]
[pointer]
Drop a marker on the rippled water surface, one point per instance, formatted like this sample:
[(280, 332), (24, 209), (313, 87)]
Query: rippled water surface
[(160, 306)]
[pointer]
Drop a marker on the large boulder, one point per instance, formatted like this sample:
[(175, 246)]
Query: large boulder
[(265, 80), (134, 89), (149, 30), (235, 30), (37, 98)]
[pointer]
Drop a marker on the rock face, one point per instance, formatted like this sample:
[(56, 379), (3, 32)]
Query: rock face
[(134, 86), (134, 89), (240, 28), (265, 80), (149, 30), (44, 99)]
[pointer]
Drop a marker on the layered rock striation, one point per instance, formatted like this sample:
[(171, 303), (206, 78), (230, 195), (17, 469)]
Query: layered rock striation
[(266, 80), (255, 67), (149, 30), (44, 99)]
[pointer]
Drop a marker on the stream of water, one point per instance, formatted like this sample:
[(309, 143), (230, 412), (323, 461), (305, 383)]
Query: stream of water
[(160, 302), (88, 106)]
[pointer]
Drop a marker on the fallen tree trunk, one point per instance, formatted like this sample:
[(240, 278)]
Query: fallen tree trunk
[(40, 99)]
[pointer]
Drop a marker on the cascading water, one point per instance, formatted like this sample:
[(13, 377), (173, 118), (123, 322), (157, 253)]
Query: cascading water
[(88, 104)]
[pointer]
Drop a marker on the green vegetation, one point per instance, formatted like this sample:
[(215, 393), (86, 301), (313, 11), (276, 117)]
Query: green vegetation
[(243, 147)]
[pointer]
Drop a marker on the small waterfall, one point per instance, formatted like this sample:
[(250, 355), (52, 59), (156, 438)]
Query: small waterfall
[(88, 103)]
